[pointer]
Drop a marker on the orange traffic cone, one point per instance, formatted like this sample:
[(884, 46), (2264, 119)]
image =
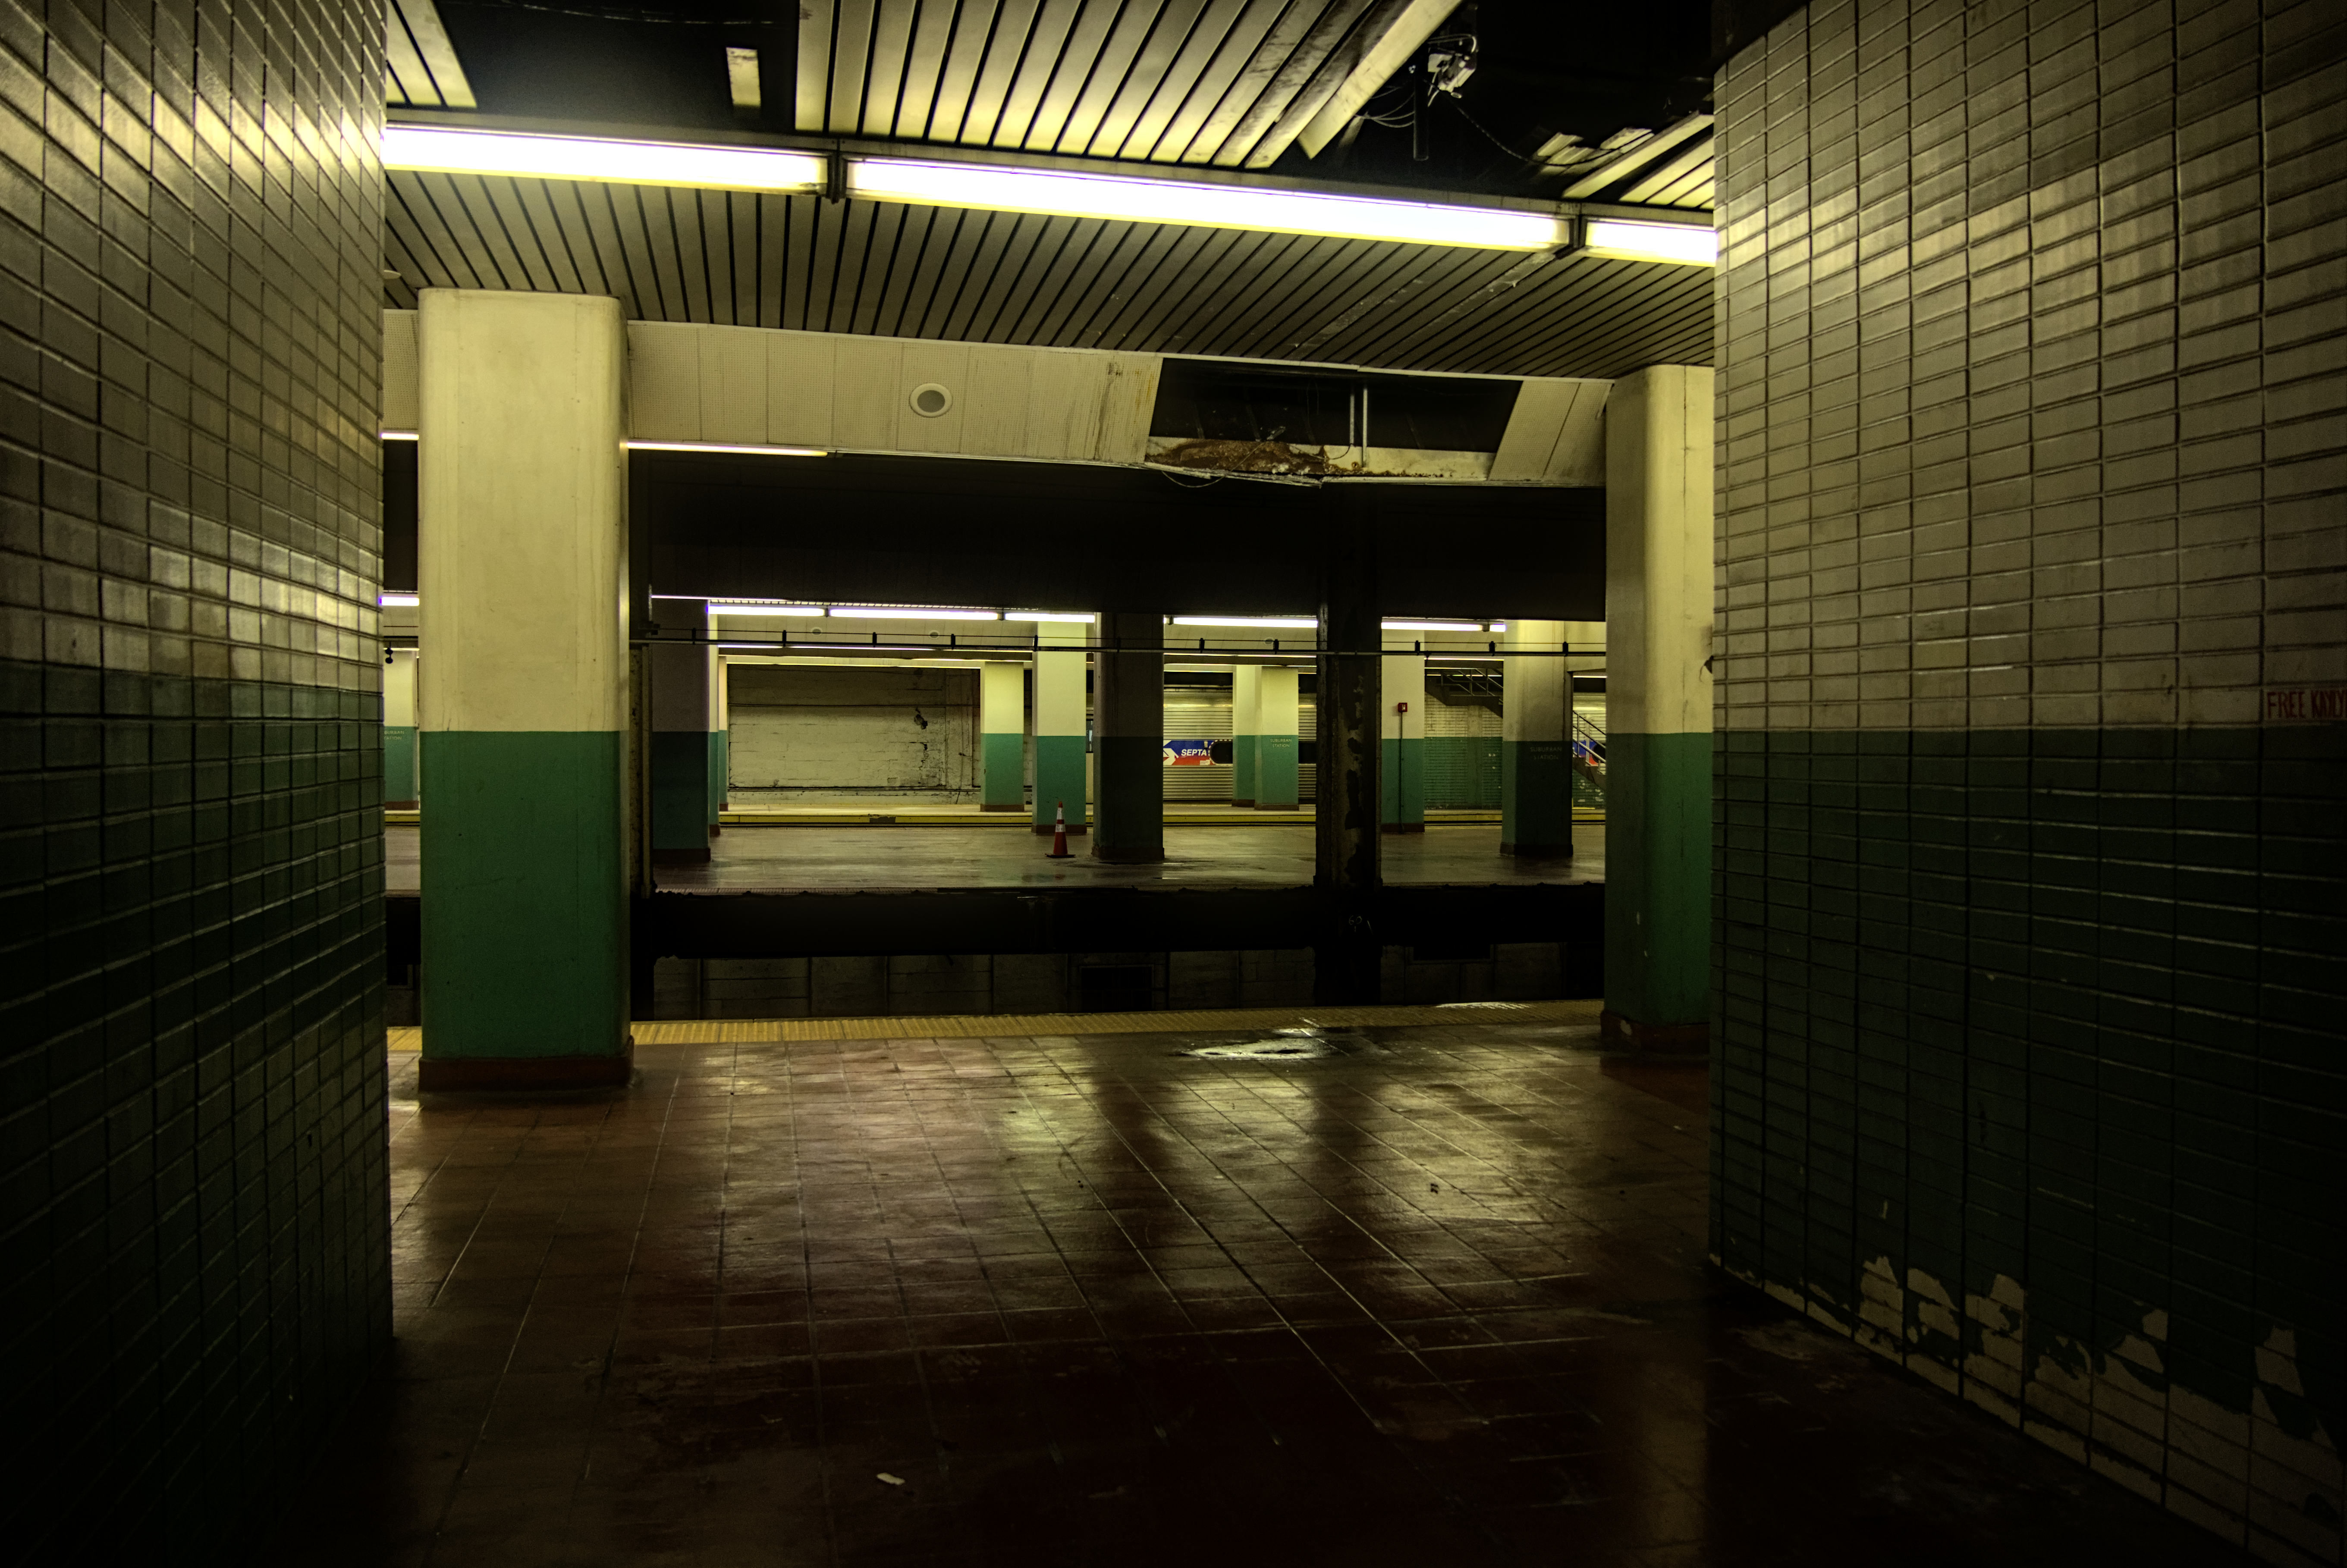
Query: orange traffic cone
[(1060, 835)]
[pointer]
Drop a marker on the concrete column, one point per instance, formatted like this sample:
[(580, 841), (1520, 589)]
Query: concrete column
[(1129, 742), (1401, 759), (1536, 745), (1658, 615), (1275, 739), (721, 737), (1002, 736), (522, 541), (1246, 692), (399, 728), (684, 709), (1059, 720), (1347, 737)]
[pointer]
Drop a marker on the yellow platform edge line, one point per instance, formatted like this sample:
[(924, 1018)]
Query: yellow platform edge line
[(971, 1026)]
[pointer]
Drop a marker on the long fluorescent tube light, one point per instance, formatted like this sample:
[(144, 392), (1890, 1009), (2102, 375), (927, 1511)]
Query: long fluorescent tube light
[(992, 188), (719, 606), (450, 151), (396, 600), (717, 447), (398, 434), (1430, 625), (1215, 206), (883, 612), (1048, 615), (1274, 621), (1692, 243)]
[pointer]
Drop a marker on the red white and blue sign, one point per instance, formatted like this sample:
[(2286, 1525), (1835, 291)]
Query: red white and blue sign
[(1188, 754)]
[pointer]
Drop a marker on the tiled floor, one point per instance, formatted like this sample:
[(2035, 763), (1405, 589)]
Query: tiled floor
[(793, 859), (1426, 1295)]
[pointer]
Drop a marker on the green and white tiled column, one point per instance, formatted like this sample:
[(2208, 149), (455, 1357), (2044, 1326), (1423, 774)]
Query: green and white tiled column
[(1002, 736), (1276, 751), (1062, 720), (721, 739), (1535, 743), (1402, 781), (399, 728), (1658, 783), (1247, 693), (684, 719), (522, 552)]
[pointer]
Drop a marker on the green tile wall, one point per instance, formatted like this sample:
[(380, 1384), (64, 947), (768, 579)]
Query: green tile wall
[(192, 1124), (2029, 954)]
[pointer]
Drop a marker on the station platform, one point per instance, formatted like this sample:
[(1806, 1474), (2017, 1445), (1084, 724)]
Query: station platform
[(864, 857)]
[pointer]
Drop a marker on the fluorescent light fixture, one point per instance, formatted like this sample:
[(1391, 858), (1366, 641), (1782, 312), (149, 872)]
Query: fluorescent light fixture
[(1300, 621), (884, 612), (1692, 243), (396, 600), (399, 435), (451, 151), (858, 647), (1048, 615), (1497, 625), (719, 447), (1215, 205), (724, 607), (1430, 625)]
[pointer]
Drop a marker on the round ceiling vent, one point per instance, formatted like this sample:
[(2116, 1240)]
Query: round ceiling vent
[(929, 400)]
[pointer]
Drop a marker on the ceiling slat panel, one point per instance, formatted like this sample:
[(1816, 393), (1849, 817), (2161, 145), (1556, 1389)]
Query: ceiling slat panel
[(957, 68), (1131, 63), (884, 74), (810, 105), (924, 63), (997, 71), (1033, 68), (1195, 81), (1082, 53), (851, 60), (900, 271), (1289, 64)]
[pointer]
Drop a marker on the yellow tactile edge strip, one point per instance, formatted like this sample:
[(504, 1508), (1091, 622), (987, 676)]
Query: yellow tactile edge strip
[(727, 1031)]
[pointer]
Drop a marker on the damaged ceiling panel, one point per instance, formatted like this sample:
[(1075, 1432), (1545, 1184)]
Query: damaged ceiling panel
[(735, 259)]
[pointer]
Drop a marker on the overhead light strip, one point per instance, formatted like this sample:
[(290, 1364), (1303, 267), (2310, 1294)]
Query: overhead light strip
[(1690, 245), (983, 187)]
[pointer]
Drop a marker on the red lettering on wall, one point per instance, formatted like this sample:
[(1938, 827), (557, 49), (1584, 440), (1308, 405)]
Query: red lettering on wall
[(2307, 704)]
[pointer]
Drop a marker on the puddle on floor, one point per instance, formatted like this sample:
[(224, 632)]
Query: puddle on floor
[(1286, 1045)]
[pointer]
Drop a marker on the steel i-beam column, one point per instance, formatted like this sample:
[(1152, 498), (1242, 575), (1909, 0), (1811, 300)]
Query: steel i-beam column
[(1002, 736), (1658, 630), (522, 537), (1129, 745), (683, 708), (1347, 742), (1060, 723)]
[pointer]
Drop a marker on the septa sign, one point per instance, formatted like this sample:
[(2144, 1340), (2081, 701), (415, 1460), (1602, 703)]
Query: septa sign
[(1188, 754)]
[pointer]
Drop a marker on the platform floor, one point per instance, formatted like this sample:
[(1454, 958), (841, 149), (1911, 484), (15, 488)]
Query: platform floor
[(1427, 1295), (844, 859)]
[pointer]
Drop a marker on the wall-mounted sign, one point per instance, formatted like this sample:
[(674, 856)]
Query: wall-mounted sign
[(1188, 754)]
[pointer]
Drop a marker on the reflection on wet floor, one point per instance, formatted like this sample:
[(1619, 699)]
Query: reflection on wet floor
[(780, 859), (1440, 1299)]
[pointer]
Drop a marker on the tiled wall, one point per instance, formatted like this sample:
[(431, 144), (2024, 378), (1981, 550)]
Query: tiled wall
[(190, 1017), (2029, 904)]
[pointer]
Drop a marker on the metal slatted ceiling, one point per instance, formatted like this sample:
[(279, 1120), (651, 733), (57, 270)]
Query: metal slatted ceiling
[(1168, 81), (420, 63), (1672, 168), (746, 259)]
